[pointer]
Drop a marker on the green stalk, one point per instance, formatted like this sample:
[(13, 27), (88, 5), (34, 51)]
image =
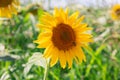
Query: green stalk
[(46, 71)]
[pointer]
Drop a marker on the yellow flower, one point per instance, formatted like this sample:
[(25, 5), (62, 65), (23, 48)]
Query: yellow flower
[(115, 13), (63, 36), (8, 7)]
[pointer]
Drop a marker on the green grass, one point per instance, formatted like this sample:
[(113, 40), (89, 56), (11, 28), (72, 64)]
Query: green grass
[(102, 55)]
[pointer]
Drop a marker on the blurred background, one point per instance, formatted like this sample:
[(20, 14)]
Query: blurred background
[(19, 56), (48, 4)]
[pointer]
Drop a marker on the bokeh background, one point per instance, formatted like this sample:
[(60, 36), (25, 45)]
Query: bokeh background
[(19, 56)]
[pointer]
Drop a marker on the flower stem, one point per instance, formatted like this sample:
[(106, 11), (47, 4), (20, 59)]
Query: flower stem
[(46, 71)]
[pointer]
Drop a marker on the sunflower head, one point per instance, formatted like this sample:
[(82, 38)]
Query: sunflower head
[(63, 36), (8, 7), (115, 13)]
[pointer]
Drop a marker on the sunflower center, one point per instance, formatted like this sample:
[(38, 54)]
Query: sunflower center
[(5, 3), (117, 12), (63, 37)]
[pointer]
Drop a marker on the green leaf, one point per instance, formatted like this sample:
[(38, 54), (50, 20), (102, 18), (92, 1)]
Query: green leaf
[(36, 59)]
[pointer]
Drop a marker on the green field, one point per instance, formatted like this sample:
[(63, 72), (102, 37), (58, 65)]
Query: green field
[(102, 55)]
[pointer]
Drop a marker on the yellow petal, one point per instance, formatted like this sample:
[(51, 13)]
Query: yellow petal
[(48, 51), (56, 12), (77, 23), (59, 15), (82, 28), (49, 17), (84, 40), (82, 55), (54, 57), (0, 12), (69, 57), (43, 26), (67, 11), (62, 59), (83, 35), (7, 13), (47, 22), (80, 19), (79, 54), (73, 17), (45, 34), (63, 16), (43, 39), (43, 44)]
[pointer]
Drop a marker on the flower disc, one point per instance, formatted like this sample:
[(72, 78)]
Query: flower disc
[(5, 3), (63, 37)]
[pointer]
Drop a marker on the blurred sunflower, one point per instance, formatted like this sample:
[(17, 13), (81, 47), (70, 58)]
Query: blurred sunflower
[(63, 37), (115, 13), (33, 8), (8, 7)]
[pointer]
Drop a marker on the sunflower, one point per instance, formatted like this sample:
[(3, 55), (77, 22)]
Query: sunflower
[(63, 36), (34, 8), (115, 13), (8, 7)]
